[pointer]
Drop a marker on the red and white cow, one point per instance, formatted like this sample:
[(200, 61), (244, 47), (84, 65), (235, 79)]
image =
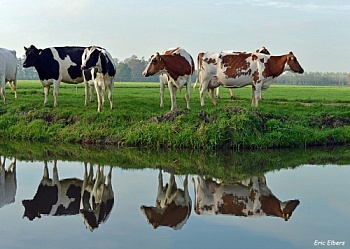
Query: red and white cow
[(248, 198), (173, 205), (262, 50), (97, 197), (178, 64), (8, 71), (238, 69), (8, 182)]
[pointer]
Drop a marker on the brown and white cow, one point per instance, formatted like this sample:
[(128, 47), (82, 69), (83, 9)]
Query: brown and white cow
[(248, 198), (262, 50), (8, 182), (173, 205), (238, 69), (178, 64), (97, 197)]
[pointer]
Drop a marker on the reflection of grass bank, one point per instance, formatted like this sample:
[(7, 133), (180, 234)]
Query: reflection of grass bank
[(289, 116), (224, 165)]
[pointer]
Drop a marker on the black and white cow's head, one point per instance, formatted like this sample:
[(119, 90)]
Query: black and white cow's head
[(32, 56), (91, 58)]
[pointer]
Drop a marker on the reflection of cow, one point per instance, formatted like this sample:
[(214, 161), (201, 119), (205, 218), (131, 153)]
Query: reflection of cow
[(54, 197), (246, 198), (173, 205), (97, 197), (8, 182)]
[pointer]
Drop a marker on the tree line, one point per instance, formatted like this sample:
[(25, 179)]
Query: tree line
[(130, 70)]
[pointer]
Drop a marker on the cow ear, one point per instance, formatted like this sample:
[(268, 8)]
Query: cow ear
[(25, 48)]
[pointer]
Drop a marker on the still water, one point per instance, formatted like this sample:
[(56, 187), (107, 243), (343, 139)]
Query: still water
[(306, 206)]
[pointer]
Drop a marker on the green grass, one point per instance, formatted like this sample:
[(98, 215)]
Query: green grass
[(289, 116)]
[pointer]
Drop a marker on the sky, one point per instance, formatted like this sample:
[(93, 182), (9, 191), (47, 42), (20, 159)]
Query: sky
[(316, 31)]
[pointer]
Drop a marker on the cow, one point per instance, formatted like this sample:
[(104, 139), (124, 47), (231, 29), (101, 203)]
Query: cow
[(55, 65), (8, 71), (97, 197), (54, 197), (178, 64), (101, 61), (8, 182), (173, 205), (239, 69), (262, 50), (244, 198)]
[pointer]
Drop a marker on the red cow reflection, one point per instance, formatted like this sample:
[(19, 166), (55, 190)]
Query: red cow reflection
[(173, 205), (247, 198)]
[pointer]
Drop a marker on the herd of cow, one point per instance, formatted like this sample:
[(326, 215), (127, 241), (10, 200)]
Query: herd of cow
[(93, 197), (96, 68)]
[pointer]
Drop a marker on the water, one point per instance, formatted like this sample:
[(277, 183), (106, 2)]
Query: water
[(322, 217)]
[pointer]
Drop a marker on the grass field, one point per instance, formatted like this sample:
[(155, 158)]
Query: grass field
[(289, 116)]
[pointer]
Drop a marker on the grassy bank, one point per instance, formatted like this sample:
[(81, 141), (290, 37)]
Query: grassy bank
[(289, 116)]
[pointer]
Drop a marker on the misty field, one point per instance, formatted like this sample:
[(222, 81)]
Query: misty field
[(289, 116)]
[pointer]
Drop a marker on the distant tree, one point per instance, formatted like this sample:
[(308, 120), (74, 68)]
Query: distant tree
[(123, 72)]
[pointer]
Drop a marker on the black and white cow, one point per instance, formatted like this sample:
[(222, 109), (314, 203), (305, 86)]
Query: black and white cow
[(54, 197), (8, 71), (96, 58), (97, 197), (173, 205), (8, 182), (55, 65)]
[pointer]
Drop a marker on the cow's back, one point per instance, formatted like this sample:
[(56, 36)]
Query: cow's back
[(8, 64)]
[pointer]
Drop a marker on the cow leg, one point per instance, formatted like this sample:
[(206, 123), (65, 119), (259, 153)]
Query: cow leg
[(203, 88), (256, 93), (86, 91), (92, 92), (56, 86), (211, 96), (232, 94), (2, 89), (13, 86), (218, 92), (172, 90), (98, 93), (46, 94), (188, 91), (162, 86), (110, 93)]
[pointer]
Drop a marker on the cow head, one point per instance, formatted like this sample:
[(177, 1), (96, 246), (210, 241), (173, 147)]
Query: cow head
[(30, 210), (155, 65), (32, 56), (293, 64), (90, 58), (263, 50)]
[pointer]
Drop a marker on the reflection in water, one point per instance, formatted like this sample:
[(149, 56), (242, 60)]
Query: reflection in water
[(173, 205), (8, 182), (247, 198), (56, 197), (97, 197)]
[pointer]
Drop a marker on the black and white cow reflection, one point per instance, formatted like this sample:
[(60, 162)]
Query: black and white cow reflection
[(54, 197), (247, 198), (173, 205), (90, 197), (97, 197), (8, 182)]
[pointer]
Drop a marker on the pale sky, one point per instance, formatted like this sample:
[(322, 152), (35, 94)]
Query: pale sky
[(317, 31)]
